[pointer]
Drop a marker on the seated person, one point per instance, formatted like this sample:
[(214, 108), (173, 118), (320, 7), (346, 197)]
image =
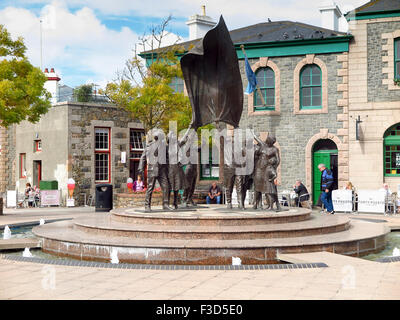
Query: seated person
[(301, 192), (349, 186), (214, 193), (138, 185), (29, 194)]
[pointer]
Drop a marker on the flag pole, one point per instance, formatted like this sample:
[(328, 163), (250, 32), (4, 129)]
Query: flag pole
[(257, 87)]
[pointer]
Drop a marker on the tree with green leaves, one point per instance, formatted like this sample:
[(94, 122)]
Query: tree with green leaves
[(83, 93), (145, 90), (22, 95)]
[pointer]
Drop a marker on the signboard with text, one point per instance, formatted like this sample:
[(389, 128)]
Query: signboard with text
[(342, 200), (371, 201), (50, 197)]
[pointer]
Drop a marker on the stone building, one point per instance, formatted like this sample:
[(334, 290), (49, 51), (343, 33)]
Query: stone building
[(373, 99), (89, 142)]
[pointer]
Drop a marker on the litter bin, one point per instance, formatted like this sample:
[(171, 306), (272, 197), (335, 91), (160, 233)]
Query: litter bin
[(104, 197)]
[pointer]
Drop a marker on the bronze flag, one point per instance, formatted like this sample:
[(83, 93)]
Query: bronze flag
[(212, 78)]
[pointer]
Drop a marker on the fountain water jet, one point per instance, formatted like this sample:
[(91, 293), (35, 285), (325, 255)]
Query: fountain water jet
[(7, 233)]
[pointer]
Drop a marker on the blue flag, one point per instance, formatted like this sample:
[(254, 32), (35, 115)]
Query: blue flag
[(251, 77)]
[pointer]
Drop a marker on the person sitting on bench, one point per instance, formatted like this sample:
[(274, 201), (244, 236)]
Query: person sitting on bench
[(214, 193)]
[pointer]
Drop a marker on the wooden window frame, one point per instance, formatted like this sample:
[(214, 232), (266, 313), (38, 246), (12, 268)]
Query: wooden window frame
[(103, 151), (258, 107), (311, 86)]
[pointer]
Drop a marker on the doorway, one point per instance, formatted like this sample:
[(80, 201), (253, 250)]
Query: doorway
[(37, 172), (324, 151)]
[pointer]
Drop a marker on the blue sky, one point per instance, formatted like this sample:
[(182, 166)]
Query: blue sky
[(87, 41)]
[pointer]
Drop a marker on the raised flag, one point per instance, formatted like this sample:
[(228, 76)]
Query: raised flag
[(251, 77)]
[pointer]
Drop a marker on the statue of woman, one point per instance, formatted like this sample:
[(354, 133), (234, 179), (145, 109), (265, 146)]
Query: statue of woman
[(265, 171), (176, 175)]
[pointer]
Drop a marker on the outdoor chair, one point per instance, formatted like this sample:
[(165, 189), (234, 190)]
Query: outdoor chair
[(21, 200), (305, 203)]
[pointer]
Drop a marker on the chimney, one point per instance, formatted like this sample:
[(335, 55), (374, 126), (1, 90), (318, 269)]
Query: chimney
[(51, 85), (330, 15), (199, 25)]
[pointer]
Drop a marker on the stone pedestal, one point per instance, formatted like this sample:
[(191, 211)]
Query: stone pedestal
[(136, 199)]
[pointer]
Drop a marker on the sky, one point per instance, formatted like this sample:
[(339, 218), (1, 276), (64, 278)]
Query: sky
[(88, 41)]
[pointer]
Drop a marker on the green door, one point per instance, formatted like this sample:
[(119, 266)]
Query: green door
[(320, 156)]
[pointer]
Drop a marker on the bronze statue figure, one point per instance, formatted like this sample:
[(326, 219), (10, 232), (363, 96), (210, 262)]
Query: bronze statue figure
[(191, 169), (232, 179), (157, 170), (176, 175), (265, 172)]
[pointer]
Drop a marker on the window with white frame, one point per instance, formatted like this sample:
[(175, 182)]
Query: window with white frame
[(102, 165)]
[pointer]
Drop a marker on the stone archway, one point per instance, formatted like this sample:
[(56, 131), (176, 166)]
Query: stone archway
[(324, 134)]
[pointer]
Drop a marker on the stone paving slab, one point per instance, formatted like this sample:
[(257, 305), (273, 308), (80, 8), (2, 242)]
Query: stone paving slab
[(19, 243), (24, 280)]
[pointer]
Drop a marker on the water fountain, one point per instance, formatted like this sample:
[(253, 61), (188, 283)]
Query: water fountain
[(208, 234), (27, 253), (114, 256), (7, 233)]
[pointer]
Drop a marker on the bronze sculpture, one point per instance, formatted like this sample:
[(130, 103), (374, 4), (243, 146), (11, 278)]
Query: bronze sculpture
[(176, 176), (212, 78), (265, 172), (157, 169)]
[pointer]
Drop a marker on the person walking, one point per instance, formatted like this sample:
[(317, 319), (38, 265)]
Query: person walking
[(326, 187)]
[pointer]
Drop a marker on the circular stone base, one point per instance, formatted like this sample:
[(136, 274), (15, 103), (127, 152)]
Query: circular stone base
[(207, 235)]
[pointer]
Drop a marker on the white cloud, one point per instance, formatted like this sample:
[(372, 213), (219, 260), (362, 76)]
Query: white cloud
[(71, 41), (78, 40)]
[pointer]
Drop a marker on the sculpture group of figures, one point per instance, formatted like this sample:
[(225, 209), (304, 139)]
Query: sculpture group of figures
[(264, 177), (170, 175), (215, 89), (172, 178)]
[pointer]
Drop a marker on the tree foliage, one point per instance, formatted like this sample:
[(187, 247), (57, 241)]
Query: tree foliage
[(22, 95), (83, 93), (145, 91)]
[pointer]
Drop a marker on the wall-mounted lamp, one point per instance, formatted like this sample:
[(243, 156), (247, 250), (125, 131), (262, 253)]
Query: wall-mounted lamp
[(358, 121)]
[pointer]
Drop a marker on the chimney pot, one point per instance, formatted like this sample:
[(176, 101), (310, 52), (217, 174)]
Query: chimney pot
[(46, 70), (52, 70)]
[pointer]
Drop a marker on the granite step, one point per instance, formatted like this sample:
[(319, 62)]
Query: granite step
[(209, 215), (104, 224), (63, 239)]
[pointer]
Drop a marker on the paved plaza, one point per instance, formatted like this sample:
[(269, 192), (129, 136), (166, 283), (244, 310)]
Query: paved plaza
[(344, 278)]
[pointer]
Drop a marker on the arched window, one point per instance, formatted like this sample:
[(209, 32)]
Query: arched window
[(397, 58), (310, 87), (391, 151), (177, 84), (266, 83)]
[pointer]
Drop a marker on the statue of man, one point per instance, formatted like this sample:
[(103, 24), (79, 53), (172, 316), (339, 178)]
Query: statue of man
[(155, 158), (232, 178)]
